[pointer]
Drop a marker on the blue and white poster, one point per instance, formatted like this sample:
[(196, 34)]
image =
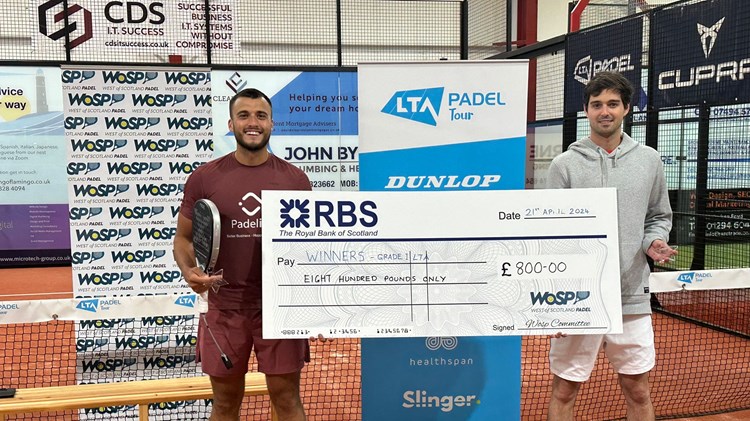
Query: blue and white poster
[(314, 121), (442, 126)]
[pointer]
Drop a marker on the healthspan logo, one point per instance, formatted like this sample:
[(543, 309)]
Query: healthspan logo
[(56, 22)]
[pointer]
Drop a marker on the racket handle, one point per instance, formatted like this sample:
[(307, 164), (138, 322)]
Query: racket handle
[(203, 302)]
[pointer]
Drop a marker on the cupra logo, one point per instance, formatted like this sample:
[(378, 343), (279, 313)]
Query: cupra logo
[(708, 36)]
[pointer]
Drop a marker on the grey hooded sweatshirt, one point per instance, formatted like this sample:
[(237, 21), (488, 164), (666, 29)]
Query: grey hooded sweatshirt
[(644, 213)]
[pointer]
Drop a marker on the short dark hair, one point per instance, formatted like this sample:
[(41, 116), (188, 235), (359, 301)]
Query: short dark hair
[(608, 80), (249, 93)]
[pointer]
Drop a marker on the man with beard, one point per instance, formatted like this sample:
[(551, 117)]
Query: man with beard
[(610, 158), (232, 325)]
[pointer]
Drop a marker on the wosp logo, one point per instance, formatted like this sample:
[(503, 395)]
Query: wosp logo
[(192, 78), (137, 212), (105, 323), (138, 256), (73, 23), (171, 361), (235, 83), (160, 145), (85, 257), (344, 213), (687, 277), (163, 189), (104, 234), (186, 301), (193, 123), (106, 278), (100, 190), (401, 182), (79, 123), (434, 343), (420, 105), (132, 123), (95, 100), (204, 145), (559, 297), (586, 68), (85, 345), (77, 214), (202, 100), (70, 76), (185, 340), (110, 410), (166, 233), (112, 364), (184, 167), (129, 78), (169, 406), (133, 168), (89, 305), (159, 100), (82, 168), (175, 211), (708, 36), (141, 342), (165, 320), (98, 145), (167, 276)]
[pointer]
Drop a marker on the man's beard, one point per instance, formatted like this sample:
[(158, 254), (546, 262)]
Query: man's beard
[(252, 147)]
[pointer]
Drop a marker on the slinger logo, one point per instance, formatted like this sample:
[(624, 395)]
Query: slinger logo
[(420, 105), (708, 36)]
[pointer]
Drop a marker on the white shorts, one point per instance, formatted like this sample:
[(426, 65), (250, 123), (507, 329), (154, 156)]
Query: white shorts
[(632, 352)]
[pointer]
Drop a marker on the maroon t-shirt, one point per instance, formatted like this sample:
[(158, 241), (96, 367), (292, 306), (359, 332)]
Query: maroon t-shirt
[(235, 189)]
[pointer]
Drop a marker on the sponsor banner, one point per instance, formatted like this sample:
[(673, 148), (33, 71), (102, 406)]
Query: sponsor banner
[(33, 212), (133, 138), (314, 117), (614, 48), (701, 52), (727, 215), (463, 112), (699, 280), (426, 127), (95, 310), (728, 157), (441, 378), (153, 27)]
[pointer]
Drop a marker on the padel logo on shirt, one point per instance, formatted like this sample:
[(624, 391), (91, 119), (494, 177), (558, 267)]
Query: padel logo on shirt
[(420, 105)]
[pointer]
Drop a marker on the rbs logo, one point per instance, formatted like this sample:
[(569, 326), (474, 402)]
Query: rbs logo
[(344, 213)]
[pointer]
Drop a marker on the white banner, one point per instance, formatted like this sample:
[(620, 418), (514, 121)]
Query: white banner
[(696, 280)]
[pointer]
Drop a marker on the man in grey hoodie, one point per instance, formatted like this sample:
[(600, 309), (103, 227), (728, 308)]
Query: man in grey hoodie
[(610, 158)]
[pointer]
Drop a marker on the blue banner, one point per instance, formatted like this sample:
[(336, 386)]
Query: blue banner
[(615, 48), (702, 54), (442, 126)]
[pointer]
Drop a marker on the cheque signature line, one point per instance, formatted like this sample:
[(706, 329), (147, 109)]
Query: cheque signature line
[(562, 328)]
